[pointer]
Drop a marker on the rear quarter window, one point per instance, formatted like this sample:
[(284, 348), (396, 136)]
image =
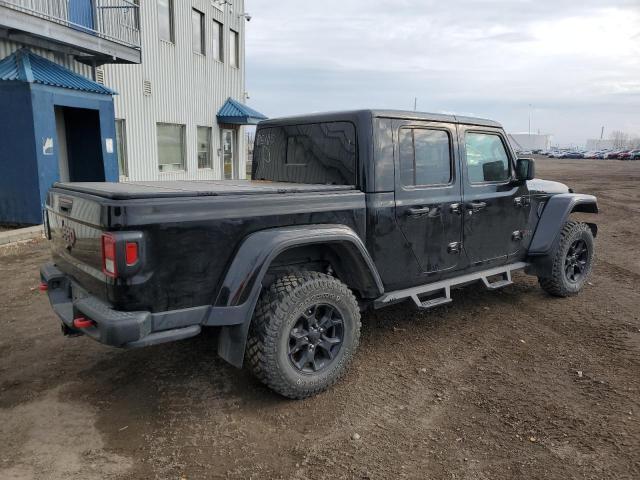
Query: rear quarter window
[(317, 153)]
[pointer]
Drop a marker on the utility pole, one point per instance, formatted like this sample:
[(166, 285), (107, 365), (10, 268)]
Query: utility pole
[(415, 104), (602, 134), (530, 121)]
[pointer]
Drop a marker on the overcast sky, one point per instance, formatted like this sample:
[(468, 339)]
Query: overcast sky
[(576, 62)]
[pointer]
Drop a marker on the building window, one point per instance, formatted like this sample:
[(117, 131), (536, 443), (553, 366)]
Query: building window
[(234, 49), (218, 41), (197, 23), (165, 20), (487, 159), (170, 147), (121, 147), (204, 147), (425, 157)]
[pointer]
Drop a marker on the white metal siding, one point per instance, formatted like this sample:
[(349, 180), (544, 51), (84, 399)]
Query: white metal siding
[(186, 88), (7, 48)]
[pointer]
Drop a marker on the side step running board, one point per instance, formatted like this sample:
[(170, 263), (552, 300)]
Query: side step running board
[(443, 287), (506, 280)]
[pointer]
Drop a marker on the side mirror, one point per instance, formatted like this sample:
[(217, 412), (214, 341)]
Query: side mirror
[(525, 169)]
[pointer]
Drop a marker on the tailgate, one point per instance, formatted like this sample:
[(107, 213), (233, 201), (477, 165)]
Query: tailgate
[(75, 232)]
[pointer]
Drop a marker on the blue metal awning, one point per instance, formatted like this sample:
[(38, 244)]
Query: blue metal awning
[(25, 66), (236, 113)]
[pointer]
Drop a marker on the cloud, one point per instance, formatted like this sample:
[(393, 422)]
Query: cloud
[(491, 56)]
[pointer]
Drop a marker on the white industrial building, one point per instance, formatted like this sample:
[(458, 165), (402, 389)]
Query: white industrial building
[(177, 68), (166, 108), (528, 142), (595, 144)]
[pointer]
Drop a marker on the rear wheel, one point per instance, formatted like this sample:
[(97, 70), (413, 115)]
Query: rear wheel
[(572, 261), (304, 332)]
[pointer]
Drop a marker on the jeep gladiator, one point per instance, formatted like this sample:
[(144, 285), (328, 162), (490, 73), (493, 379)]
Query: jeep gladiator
[(346, 211)]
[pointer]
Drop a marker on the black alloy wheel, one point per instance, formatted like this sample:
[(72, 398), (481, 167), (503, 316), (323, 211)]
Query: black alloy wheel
[(304, 333), (571, 261), (575, 263), (316, 338)]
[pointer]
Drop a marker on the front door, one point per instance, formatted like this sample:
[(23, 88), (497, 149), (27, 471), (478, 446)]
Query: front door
[(428, 193), (496, 206), (229, 163)]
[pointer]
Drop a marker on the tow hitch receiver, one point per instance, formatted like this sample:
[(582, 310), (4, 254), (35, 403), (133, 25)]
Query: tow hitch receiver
[(82, 322)]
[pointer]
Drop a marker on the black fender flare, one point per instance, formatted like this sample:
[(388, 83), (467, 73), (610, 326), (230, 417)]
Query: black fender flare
[(242, 284), (556, 212)]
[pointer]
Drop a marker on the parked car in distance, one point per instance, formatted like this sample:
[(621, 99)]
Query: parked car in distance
[(613, 155), (571, 155), (635, 155), (628, 155), (348, 211)]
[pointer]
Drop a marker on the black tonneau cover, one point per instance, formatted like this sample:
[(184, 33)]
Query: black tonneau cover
[(193, 188)]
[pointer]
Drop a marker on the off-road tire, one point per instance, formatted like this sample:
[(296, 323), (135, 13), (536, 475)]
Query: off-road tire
[(558, 284), (279, 307)]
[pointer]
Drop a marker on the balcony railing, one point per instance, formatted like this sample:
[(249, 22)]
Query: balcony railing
[(114, 20)]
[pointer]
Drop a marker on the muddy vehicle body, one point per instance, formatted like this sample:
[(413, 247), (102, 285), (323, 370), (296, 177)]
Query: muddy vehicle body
[(346, 211)]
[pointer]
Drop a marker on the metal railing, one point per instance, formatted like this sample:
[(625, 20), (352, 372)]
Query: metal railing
[(115, 20)]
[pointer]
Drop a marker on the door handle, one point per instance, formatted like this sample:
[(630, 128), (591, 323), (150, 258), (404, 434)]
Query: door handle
[(418, 211), (476, 206), (455, 208)]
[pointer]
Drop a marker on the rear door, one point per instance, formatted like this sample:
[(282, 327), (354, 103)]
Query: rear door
[(428, 192), (496, 206)]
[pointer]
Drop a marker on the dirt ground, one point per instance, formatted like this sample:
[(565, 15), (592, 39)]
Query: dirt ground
[(506, 384)]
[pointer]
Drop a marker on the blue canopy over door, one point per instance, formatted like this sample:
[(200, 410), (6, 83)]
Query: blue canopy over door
[(81, 13)]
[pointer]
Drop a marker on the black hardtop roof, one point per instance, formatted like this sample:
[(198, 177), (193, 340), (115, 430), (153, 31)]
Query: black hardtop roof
[(355, 115)]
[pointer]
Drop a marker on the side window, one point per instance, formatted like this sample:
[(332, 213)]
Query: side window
[(320, 153), (487, 159), (425, 157)]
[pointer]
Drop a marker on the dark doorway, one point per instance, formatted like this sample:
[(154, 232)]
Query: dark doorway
[(80, 145)]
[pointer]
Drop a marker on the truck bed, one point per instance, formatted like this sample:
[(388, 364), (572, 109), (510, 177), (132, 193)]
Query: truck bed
[(193, 188)]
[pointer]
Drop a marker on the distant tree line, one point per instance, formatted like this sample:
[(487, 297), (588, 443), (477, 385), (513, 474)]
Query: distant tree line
[(622, 140)]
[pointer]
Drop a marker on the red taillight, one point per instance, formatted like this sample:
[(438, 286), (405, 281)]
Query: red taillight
[(132, 253), (109, 255), (43, 287)]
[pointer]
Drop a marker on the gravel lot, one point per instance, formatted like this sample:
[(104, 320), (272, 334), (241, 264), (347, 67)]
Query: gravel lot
[(507, 384)]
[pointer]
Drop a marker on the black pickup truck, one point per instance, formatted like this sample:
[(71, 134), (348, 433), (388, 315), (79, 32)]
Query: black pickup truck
[(346, 211)]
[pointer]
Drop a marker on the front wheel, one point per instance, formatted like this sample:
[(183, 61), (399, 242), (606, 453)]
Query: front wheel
[(572, 261), (304, 333)]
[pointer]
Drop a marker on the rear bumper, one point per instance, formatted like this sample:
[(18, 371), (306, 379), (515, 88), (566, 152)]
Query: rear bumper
[(113, 327)]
